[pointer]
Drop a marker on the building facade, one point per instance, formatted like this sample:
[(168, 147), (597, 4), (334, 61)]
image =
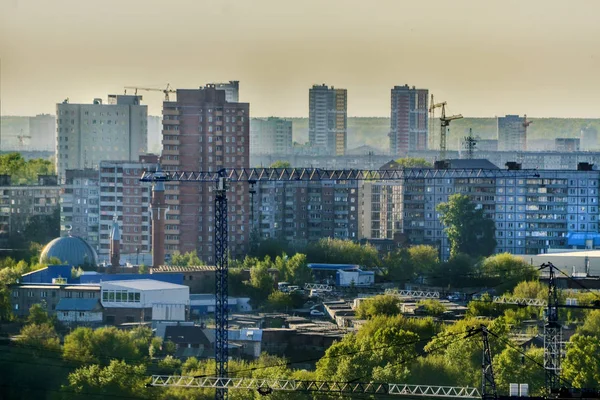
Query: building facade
[(232, 90), (79, 206), (270, 136), (409, 121), (204, 132), (122, 194), (20, 203), (24, 296), (533, 210), (303, 212), (327, 125), (512, 133), (567, 144), (42, 129), (89, 133)]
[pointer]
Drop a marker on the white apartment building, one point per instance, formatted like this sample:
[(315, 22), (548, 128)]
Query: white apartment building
[(89, 133), (79, 212)]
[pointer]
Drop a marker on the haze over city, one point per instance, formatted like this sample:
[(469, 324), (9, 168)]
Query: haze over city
[(484, 58)]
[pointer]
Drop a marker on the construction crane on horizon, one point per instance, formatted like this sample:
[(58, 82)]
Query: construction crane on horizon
[(470, 143), (432, 107), (223, 177), (444, 124), (166, 90), (21, 138), (525, 126)]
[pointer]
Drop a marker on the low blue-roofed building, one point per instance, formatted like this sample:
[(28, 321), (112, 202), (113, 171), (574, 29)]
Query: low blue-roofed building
[(49, 275), (326, 273), (583, 240), (334, 267), (175, 278), (78, 311)]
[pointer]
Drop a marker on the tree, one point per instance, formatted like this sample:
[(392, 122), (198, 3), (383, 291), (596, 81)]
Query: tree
[(466, 226), (143, 269), (39, 337), (42, 228), (591, 325), (510, 366), (581, 365), (116, 379), (338, 251), (189, 259), (531, 290), (293, 269), (279, 301), (261, 280), (94, 346), (455, 272), (281, 164), (432, 307), (506, 271), (412, 162), (424, 258), (379, 305), (38, 315), (399, 266)]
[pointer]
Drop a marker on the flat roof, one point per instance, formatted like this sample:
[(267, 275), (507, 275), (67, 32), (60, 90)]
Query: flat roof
[(144, 284), (333, 266)]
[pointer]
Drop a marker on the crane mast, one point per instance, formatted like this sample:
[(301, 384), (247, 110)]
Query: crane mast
[(444, 124)]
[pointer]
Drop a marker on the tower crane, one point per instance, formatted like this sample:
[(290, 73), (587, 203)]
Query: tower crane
[(444, 123), (552, 326), (223, 177), (432, 107), (166, 90), (21, 138)]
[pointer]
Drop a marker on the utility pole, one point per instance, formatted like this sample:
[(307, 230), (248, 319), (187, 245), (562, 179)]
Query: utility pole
[(552, 333)]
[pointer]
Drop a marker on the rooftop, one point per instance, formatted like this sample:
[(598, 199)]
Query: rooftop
[(144, 284)]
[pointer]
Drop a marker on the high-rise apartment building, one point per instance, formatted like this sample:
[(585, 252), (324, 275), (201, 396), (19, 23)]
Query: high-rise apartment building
[(79, 206), (327, 124), (270, 136), (232, 90), (303, 212), (202, 131), (42, 129), (19, 203), (408, 123), (122, 194), (89, 133), (589, 138), (512, 133), (532, 210)]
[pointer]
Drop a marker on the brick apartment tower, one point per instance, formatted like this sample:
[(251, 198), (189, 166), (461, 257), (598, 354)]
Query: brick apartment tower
[(159, 209), (408, 122), (204, 132), (115, 247)]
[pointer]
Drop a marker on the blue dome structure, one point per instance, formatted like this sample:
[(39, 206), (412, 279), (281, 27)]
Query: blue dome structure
[(70, 250)]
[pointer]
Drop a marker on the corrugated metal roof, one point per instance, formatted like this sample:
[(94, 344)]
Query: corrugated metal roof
[(144, 284), (334, 266), (66, 304)]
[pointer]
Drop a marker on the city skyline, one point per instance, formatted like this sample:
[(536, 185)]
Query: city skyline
[(484, 59)]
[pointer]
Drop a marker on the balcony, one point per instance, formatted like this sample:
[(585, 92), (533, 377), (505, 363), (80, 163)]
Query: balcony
[(170, 122), (170, 111)]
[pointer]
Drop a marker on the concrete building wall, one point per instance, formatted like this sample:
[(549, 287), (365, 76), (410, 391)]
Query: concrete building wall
[(79, 206), (302, 212), (204, 132), (511, 133), (270, 136), (42, 129), (90, 133), (122, 193), (18, 203), (408, 122), (22, 297), (531, 213), (327, 125)]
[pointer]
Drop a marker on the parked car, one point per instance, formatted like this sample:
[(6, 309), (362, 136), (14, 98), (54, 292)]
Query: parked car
[(317, 313)]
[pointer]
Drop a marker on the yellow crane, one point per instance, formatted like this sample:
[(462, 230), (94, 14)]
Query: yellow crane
[(444, 123), (166, 90), (432, 107)]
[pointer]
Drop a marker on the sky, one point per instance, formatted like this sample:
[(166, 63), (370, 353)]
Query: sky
[(485, 58)]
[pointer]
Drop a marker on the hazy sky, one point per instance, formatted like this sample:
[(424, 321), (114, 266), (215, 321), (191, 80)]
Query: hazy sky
[(484, 58)]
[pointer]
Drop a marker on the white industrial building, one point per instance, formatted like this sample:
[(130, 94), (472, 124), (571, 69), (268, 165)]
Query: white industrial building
[(167, 301)]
